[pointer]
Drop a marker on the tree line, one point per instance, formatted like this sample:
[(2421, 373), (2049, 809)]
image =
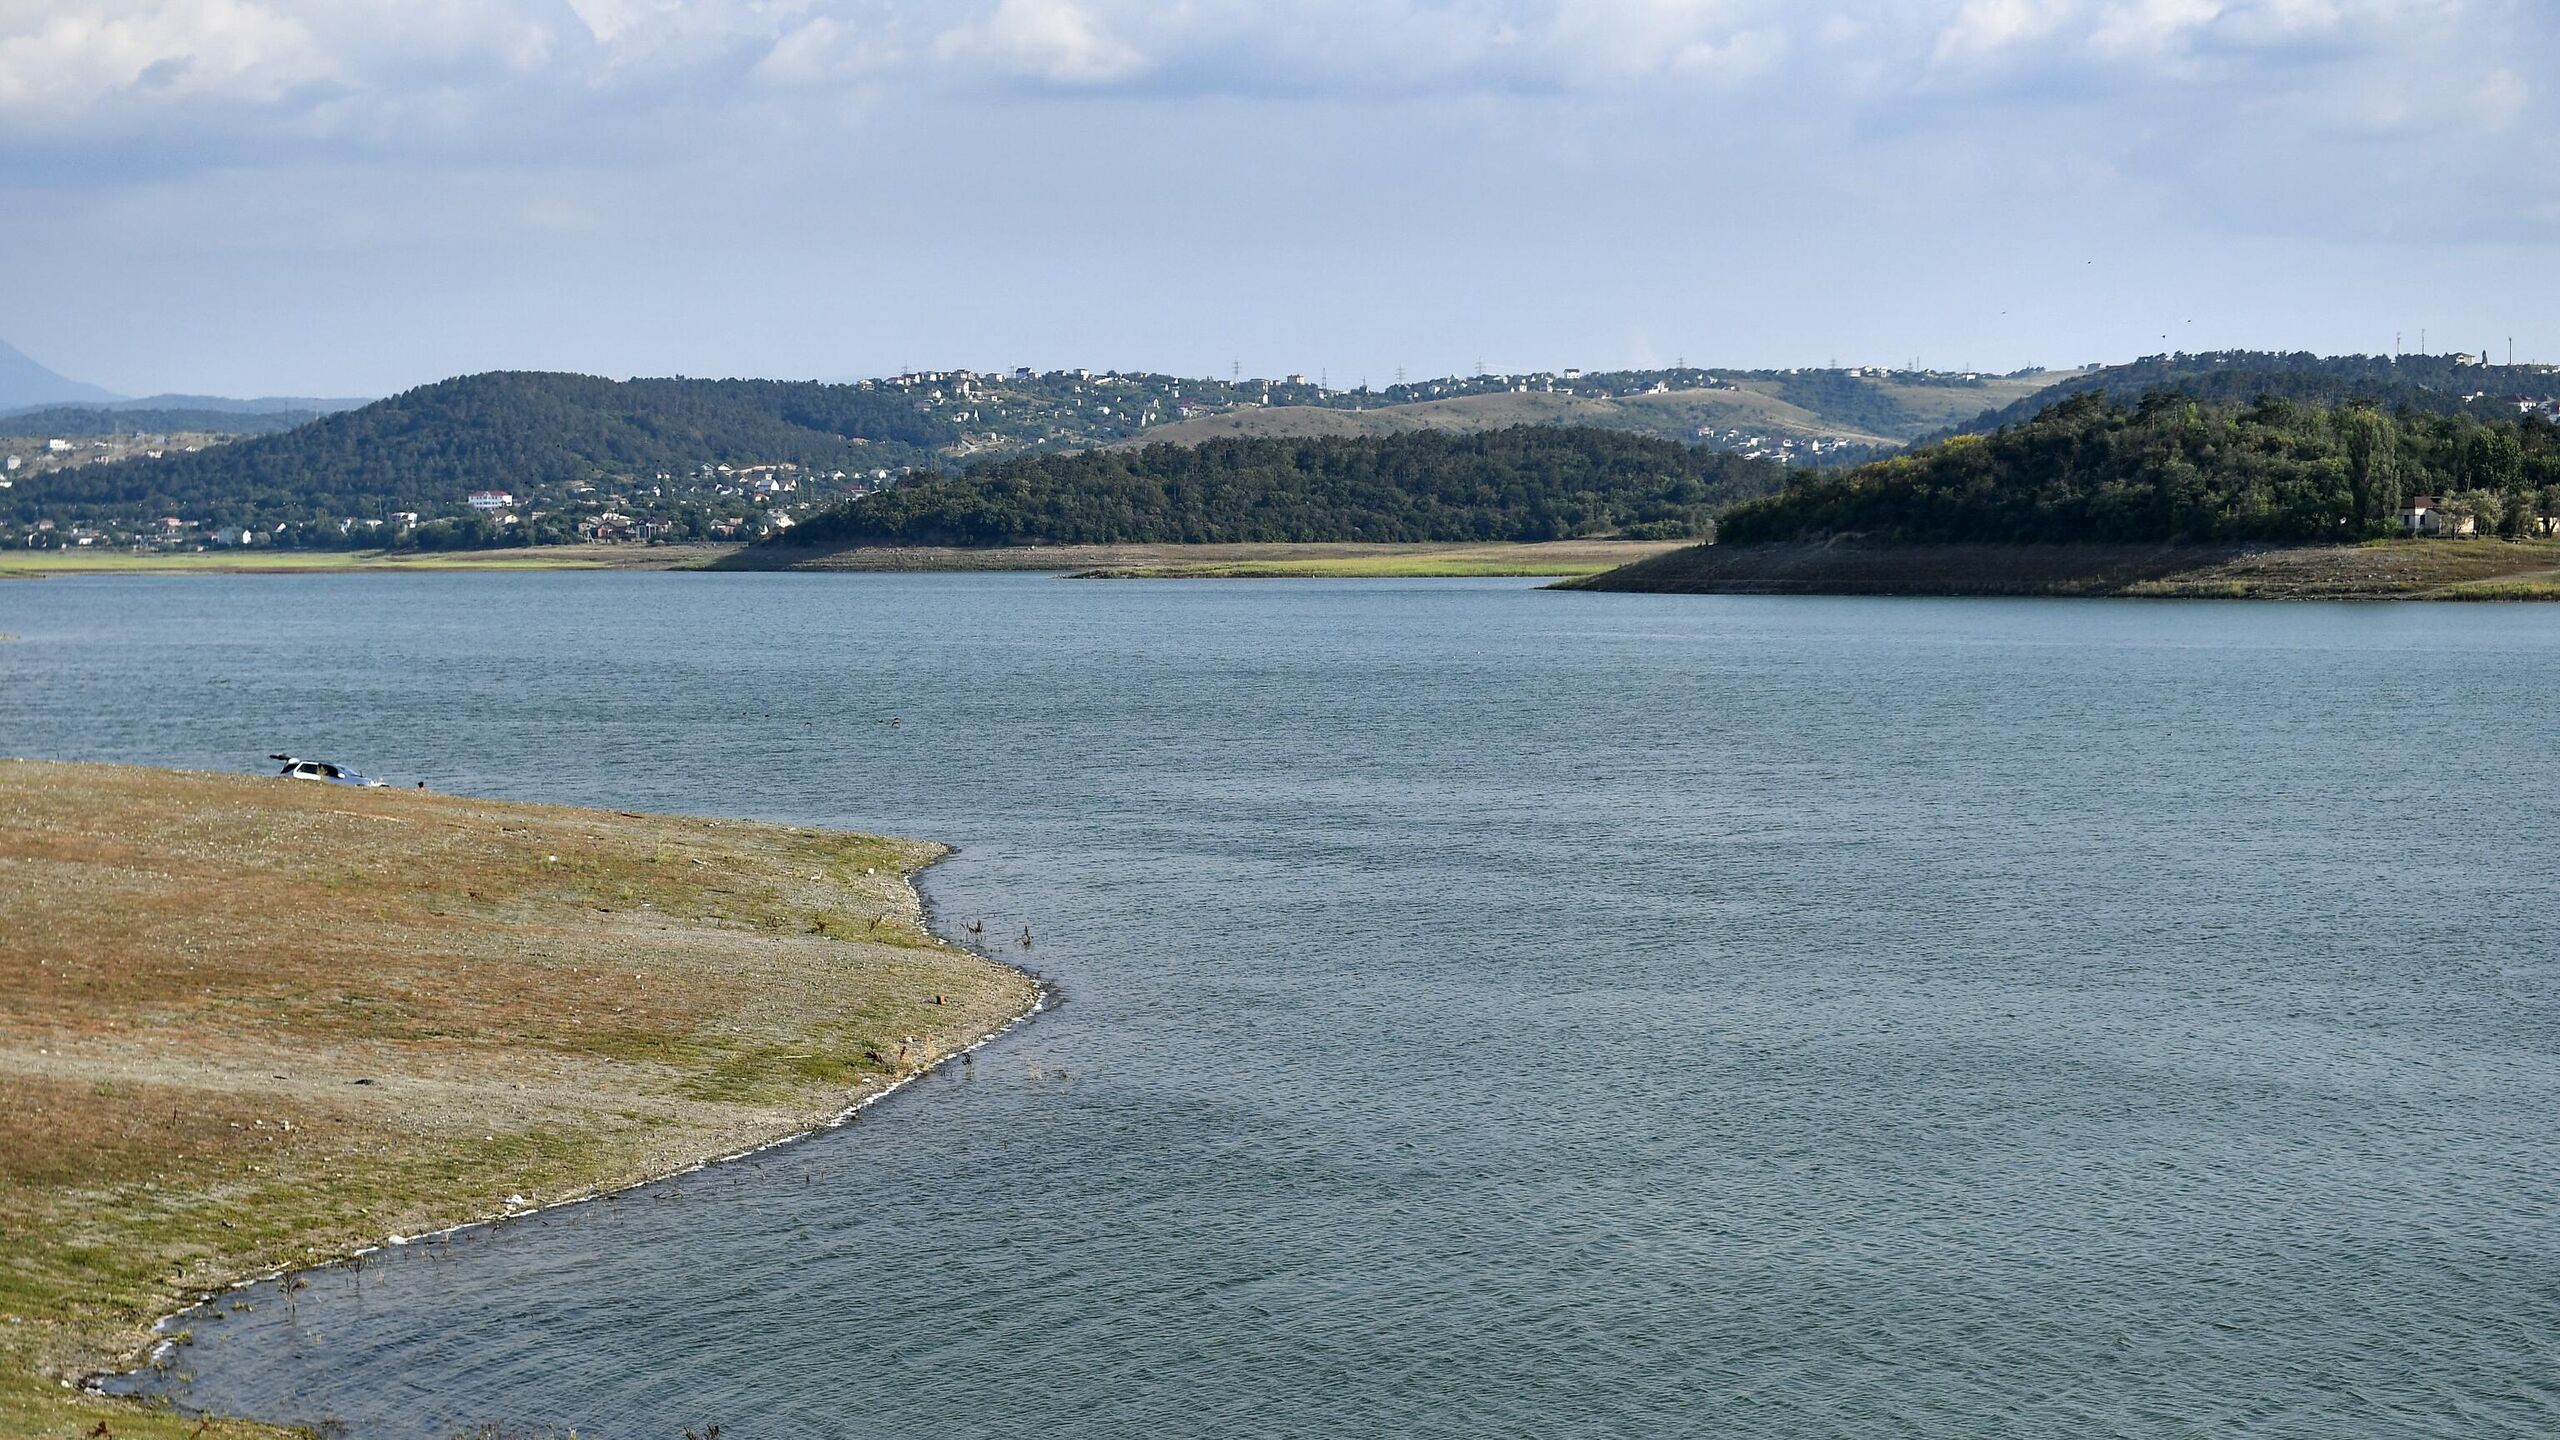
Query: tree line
[(2173, 467), (1524, 483), (2432, 384)]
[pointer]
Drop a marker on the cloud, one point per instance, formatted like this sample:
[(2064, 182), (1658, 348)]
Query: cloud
[(60, 60), (1991, 27), (255, 82), (1057, 41)]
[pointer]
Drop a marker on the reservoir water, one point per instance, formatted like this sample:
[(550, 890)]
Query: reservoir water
[(1495, 1012)]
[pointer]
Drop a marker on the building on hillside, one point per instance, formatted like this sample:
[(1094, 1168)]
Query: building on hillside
[(490, 500), (2426, 515)]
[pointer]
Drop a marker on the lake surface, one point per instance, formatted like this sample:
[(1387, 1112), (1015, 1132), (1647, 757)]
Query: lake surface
[(1492, 1012)]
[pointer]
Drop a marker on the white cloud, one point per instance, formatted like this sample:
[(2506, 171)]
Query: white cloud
[(56, 60), (1058, 41), (825, 49), (248, 81), (1989, 27), (2501, 100)]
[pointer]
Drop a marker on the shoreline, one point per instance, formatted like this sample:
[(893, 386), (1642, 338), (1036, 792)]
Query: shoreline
[(755, 990), (2403, 570), (44, 564), (1346, 559), (162, 1343)]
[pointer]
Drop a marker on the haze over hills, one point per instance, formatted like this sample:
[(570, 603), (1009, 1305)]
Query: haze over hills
[(24, 382)]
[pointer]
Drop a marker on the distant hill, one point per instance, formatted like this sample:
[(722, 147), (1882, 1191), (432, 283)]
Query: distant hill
[(2171, 468), (2432, 384), (1803, 416), (84, 420), (1522, 483), (263, 405), (426, 450), (1745, 419), (23, 382)]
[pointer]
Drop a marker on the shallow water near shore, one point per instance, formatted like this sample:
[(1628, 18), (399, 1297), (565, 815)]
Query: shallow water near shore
[(1489, 1011)]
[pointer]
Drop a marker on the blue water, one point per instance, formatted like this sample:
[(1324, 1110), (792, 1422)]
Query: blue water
[(1493, 1012)]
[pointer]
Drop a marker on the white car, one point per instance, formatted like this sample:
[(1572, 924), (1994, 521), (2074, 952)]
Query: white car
[(324, 772)]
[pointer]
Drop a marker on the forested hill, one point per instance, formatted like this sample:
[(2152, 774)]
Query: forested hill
[(2433, 384), (2175, 468), (425, 449), (1526, 483)]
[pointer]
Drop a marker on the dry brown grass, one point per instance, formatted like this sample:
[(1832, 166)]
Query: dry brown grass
[(247, 1023)]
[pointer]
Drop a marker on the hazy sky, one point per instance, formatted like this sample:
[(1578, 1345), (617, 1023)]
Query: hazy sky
[(322, 196)]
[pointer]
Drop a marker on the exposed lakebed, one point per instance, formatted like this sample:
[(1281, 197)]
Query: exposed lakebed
[(1492, 1011)]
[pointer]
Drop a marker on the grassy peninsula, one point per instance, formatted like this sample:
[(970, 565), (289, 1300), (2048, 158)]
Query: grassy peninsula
[(248, 1024), (2169, 496)]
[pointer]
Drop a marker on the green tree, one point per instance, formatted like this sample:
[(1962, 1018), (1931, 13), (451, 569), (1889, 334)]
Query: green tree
[(2373, 461)]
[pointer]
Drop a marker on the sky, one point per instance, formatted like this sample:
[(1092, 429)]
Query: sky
[(331, 197)]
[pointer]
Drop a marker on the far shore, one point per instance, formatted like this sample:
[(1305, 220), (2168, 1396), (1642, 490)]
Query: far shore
[(35, 564), (2470, 569), (1241, 561), (1548, 559), (251, 1024)]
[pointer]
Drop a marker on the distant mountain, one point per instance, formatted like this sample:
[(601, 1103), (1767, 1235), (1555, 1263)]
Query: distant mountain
[(23, 382)]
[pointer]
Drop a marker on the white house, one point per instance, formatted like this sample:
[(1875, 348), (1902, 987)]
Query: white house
[(490, 500), (2425, 515)]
